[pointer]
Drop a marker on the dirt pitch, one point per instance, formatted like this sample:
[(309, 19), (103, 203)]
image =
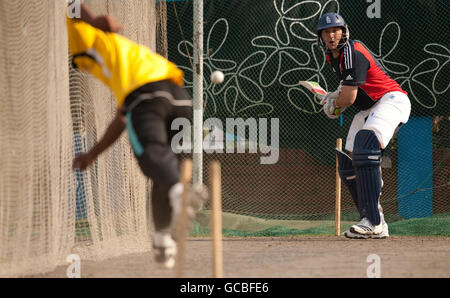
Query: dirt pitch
[(288, 257)]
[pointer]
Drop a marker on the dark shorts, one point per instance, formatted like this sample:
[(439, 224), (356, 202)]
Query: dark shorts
[(150, 111)]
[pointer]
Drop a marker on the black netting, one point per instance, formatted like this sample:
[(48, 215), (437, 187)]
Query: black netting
[(265, 47)]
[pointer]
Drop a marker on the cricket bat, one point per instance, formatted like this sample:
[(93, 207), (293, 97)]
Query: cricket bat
[(343, 153), (314, 88), (317, 90)]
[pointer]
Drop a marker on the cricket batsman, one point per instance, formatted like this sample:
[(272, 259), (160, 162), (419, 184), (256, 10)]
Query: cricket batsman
[(384, 106)]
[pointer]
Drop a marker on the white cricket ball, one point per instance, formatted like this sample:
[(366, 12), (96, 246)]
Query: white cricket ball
[(217, 77)]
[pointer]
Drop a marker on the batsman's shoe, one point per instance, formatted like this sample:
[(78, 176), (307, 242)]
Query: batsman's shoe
[(365, 227), (385, 229), (351, 235), (165, 249), (384, 233)]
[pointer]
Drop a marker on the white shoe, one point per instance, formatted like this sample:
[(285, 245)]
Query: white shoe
[(351, 235), (384, 233), (385, 230), (365, 227), (165, 249), (196, 197)]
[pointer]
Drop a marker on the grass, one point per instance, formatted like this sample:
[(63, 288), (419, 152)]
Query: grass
[(246, 226)]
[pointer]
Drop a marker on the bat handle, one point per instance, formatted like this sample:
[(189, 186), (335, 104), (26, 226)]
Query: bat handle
[(321, 97), (337, 112)]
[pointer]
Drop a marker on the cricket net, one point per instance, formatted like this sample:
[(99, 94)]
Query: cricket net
[(264, 50), (36, 183), (49, 114)]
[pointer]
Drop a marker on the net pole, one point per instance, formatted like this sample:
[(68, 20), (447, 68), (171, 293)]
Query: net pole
[(337, 218), (197, 156)]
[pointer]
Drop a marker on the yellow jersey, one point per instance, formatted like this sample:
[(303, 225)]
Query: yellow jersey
[(117, 61)]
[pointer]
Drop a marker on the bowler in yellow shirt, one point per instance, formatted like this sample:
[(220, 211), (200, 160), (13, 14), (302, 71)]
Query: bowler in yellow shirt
[(149, 94)]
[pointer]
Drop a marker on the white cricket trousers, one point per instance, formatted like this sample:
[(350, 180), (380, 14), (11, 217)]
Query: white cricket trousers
[(382, 118)]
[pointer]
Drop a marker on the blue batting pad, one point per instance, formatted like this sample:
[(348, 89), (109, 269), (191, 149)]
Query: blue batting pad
[(367, 160)]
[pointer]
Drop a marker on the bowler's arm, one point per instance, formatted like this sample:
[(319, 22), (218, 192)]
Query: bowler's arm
[(105, 23), (113, 132), (86, 14)]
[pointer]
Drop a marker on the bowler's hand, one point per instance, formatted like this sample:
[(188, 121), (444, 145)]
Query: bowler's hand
[(83, 161), (107, 23)]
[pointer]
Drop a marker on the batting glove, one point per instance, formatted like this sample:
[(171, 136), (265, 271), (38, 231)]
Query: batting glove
[(329, 108), (328, 104)]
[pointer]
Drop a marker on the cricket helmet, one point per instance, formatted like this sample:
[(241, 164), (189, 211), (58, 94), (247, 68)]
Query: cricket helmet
[(330, 20)]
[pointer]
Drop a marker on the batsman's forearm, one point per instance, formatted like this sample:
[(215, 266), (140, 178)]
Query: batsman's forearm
[(113, 132), (347, 97)]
